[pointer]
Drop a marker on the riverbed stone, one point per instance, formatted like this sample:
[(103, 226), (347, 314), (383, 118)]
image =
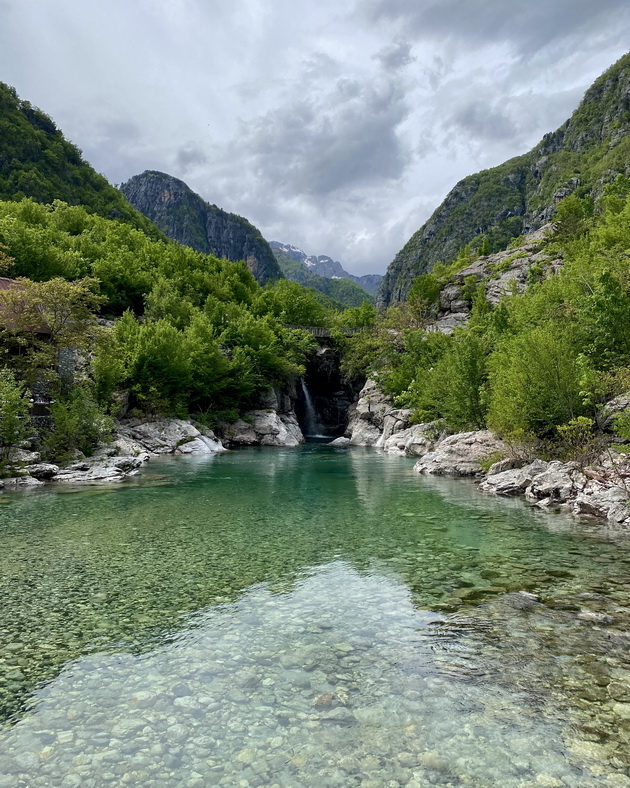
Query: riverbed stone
[(514, 481), (461, 454)]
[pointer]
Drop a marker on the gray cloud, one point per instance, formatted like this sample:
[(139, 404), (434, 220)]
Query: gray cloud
[(527, 26), (395, 56), (342, 140), (190, 156), (335, 126)]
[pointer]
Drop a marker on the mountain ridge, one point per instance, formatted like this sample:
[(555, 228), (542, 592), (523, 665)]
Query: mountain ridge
[(325, 266), (520, 195)]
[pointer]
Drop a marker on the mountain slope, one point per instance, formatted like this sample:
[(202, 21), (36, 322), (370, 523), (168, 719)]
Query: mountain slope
[(521, 194), (325, 266), (187, 218), (342, 291), (37, 161)]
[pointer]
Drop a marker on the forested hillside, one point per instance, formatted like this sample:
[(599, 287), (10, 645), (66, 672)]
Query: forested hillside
[(493, 206), (37, 161), (533, 366)]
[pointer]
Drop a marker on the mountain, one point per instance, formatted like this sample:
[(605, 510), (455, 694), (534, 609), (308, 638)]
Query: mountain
[(327, 267), (37, 161), (187, 218), (520, 195), (343, 292)]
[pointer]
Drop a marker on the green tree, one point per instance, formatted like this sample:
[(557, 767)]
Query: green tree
[(14, 410)]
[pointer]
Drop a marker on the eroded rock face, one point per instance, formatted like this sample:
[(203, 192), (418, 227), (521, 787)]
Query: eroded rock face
[(415, 441), (374, 418), (461, 454), (167, 436), (264, 428)]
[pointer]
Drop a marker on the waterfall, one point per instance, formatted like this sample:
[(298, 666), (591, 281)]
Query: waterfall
[(311, 422)]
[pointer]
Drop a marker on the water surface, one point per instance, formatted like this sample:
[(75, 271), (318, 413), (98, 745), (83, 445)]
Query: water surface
[(308, 617)]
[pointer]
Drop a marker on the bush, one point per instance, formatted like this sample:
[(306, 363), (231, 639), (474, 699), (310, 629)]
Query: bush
[(14, 410), (79, 423)]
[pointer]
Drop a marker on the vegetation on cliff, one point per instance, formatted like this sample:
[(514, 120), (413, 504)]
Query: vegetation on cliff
[(536, 364), (37, 161), (522, 194)]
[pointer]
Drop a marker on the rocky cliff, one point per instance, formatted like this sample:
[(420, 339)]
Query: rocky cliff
[(184, 216), (521, 195)]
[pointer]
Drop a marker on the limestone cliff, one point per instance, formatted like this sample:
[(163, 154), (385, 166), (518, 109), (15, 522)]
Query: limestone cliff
[(187, 218)]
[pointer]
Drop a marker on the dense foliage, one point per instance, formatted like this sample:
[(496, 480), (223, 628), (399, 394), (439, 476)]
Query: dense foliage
[(538, 361), (191, 334), (37, 161)]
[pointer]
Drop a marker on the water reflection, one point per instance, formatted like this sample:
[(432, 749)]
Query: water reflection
[(474, 604)]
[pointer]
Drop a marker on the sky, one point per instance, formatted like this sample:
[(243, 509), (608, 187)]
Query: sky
[(337, 126)]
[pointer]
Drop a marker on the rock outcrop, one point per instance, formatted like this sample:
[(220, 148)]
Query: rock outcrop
[(461, 454), (264, 428), (183, 215), (135, 442), (374, 418), (500, 274)]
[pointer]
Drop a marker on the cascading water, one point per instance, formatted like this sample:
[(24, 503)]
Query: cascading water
[(312, 426)]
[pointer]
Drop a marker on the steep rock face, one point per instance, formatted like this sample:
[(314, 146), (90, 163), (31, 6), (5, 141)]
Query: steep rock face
[(500, 274), (187, 218), (520, 195)]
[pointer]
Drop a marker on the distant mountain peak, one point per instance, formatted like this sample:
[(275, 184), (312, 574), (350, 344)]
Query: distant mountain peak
[(325, 266)]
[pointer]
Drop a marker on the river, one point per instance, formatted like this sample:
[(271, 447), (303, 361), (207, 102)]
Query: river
[(308, 617)]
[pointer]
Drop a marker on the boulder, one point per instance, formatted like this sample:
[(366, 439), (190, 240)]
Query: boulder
[(415, 441), (610, 503), (167, 436), (341, 442), (264, 428), (461, 454), (101, 470), (513, 481), (364, 433), (393, 422), (43, 470), (557, 484), (615, 407), (20, 482)]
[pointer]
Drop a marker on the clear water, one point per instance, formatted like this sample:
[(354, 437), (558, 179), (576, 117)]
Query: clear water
[(309, 617)]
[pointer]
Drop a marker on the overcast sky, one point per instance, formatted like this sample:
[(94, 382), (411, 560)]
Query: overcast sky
[(336, 125)]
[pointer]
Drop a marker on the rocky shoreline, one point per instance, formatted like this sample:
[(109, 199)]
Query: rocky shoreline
[(136, 441), (601, 489)]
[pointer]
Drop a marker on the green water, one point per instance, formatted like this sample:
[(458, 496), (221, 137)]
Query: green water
[(308, 617)]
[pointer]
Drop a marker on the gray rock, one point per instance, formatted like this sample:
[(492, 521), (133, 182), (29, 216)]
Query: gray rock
[(515, 481), (168, 436), (415, 441), (264, 428), (610, 503), (559, 482), (341, 442), (43, 470), (460, 454), (20, 482)]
